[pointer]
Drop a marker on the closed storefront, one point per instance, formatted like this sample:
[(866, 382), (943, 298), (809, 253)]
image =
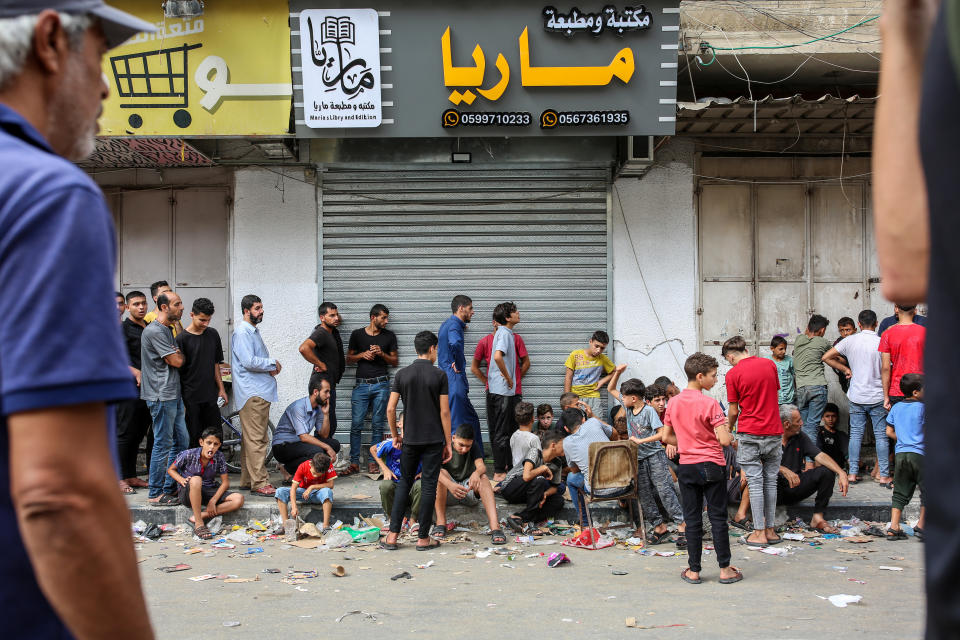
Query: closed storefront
[(412, 238)]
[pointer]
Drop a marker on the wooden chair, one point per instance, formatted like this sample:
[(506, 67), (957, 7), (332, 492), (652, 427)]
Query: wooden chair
[(613, 470)]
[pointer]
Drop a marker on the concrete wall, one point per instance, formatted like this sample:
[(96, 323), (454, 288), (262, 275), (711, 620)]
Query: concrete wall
[(274, 255), (654, 234)]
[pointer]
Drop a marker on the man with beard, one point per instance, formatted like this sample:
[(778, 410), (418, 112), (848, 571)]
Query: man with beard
[(161, 360), (254, 388), (451, 360), (59, 244), (324, 350)]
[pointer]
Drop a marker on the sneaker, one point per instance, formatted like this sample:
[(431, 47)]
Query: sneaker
[(267, 491)]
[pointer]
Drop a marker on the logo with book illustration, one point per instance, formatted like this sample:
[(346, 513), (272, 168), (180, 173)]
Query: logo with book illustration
[(341, 71)]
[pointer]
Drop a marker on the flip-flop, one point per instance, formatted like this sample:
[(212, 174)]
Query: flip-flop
[(821, 530), (515, 522), (737, 578), (127, 490), (776, 540), (438, 532), (743, 540), (202, 532), (887, 485), (689, 580), (742, 524), (388, 546), (428, 547), (659, 538), (681, 540), (874, 530)]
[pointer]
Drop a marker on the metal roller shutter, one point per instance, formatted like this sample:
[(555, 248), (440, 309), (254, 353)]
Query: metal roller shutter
[(413, 238)]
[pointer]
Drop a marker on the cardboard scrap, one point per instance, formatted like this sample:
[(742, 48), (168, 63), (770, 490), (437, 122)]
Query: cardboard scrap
[(858, 539), (237, 580), (374, 522), (861, 550), (359, 496), (308, 543), (632, 623), (309, 529)]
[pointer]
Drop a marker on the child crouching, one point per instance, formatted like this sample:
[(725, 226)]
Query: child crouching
[(311, 484)]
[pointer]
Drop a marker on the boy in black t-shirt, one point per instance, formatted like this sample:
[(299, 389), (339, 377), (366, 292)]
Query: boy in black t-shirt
[(200, 379), (464, 480), (830, 440)]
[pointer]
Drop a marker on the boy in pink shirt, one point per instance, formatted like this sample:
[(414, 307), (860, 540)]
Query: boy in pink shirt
[(695, 423)]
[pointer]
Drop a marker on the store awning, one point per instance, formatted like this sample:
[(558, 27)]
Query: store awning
[(826, 116)]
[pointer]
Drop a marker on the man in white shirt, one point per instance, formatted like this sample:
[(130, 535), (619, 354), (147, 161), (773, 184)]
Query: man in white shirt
[(865, 392)]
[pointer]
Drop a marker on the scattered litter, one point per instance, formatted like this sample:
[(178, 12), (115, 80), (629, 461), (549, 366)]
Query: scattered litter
[(337, 539), (534, 555), (861, 550), (525, 539), (858, 539), (425, 566), (222, 544), (271, 571), (589, 539), (857, 581), (842, 599), (632, 623), (792, 536), (302, 574), (886, 568), (253, 550), (308, 543), (206, 576), (338, 570), (367, 615), (298, 588), (366, 535), (634, 542), (193, 551), (364, 568), (772, 551), (241, 537), (618, 572), (840, 569), (215, 525), (484, 554), (238, 580), (556, 559), (402, 576), (544, 542), (895, 557), (176, 567), (231, 623), (507, 565)]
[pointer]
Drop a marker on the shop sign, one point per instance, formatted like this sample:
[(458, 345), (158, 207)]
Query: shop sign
[(225, 72), (500, 68)]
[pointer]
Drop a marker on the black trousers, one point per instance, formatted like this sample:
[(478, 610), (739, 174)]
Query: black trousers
[(531, 493), (133, 422), (429, 458), (818, 480), (292, 454), (698, 481), (200, 416), (502, 423)]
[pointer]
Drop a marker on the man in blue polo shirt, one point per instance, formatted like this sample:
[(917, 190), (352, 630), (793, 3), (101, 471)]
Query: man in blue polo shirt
[(57, 243)]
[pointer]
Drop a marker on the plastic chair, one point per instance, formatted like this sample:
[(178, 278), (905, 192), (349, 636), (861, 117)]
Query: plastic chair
[(613, 468)]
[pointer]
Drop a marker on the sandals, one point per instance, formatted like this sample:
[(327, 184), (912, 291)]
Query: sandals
[(688, 579), (896, 534), (681, 540), (428, 547), (388, 546), (742, 524), (438, 532), (202, 532), (659, 538), (887, 485), (349, 471), (497, 537), (167, 500), (516, 523), (736, 578)]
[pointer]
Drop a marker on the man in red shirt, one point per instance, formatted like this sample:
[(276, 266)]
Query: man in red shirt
[(901, 352), (752, 387)]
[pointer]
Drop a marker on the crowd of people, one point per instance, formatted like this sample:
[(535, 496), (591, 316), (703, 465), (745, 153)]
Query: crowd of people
[(776, 442)]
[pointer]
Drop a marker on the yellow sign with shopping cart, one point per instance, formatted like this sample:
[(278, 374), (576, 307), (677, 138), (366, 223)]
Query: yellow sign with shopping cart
[(225, 72)]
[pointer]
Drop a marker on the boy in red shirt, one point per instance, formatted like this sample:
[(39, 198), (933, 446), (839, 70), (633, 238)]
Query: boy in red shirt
[(695, 423), (313, 484), (901, 349), (753, 387)]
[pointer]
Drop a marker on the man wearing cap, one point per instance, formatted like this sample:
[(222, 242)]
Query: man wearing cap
[(67, 569)]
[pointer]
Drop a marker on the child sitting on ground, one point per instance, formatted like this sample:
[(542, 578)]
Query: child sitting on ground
[(905, 424), (544, 418), (830, 440), (463, 479), (311, 484), (696, 424), (620, 430), (387, 456), (523, 438), (534, 484), (196, 470), (653, 478)]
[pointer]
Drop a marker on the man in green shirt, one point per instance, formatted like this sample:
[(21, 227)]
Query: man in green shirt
[(808, 350)]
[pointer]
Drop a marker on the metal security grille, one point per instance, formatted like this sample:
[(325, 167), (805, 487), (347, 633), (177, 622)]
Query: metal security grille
[(414, 238)]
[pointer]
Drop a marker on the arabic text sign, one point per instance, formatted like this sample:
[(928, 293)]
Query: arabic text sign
[(509, 68), (200, 76), (340, 52)]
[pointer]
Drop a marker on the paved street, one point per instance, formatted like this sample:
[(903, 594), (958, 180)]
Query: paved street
[(480, 596)]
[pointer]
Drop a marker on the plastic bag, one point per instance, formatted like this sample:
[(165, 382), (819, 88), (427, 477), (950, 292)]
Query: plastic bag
[(215, 525), (241, 537), (337, 539)]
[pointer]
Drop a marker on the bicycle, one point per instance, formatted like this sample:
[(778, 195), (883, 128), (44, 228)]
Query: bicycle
[(231, 445)]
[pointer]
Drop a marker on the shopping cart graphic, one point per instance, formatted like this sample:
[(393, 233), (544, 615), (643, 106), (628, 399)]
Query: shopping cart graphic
[(154, 80)]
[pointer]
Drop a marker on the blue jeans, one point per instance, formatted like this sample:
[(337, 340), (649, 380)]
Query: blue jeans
[(811, 401), (169, 439), (578, 491), (319, 496), (858, 424), (364, 395)]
